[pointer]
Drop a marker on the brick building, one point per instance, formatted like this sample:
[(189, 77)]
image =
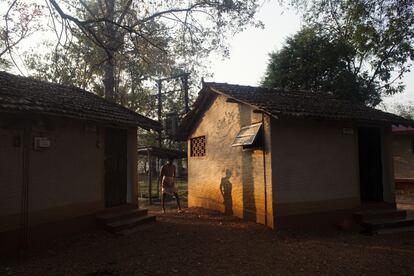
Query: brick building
[(286, 157), (65, 155)]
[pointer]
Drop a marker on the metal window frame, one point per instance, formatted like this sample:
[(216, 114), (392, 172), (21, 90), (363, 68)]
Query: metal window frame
[(259, 126)]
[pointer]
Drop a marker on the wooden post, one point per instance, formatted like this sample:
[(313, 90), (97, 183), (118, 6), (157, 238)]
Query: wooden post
[(149, 178), (159, 111), (158, 176)]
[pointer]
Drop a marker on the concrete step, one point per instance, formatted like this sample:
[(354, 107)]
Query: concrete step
[(128, 223), (375, 226), (121, 214), (109, 210), (378, 205), (395, 230), (364, 215)]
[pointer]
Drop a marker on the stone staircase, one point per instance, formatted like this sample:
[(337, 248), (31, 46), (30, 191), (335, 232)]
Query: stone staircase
[(124, 220), (384, 219)]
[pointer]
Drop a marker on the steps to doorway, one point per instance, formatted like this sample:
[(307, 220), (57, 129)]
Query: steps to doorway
[(381, 220), (124, 220)]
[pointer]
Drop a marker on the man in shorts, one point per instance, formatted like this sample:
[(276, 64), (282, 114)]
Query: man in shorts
[(167, 183)]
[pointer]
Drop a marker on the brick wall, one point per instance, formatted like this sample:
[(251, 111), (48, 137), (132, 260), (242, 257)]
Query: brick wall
[(316, 166), (312, 167), (314, 161), (239, 172)]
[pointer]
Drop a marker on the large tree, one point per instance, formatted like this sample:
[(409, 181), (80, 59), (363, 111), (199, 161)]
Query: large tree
[(380, 32), (124, 30), (182, 30), (311, 61), (112, 47), (80, 63)]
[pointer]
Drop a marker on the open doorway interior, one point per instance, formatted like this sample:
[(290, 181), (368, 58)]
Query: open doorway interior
[(115, 167), (370, 164)]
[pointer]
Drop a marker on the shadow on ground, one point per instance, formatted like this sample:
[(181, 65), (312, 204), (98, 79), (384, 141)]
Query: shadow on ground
[(201, 242)]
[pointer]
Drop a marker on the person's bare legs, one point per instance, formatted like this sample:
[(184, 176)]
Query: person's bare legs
[(178, 201), (163, 202)]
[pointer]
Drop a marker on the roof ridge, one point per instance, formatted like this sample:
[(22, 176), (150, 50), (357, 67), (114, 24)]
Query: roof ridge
[(278, 89), (33, 79), (301, 102)]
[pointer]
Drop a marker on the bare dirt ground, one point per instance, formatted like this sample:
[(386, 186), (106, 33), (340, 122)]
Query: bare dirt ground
[(200, 242)]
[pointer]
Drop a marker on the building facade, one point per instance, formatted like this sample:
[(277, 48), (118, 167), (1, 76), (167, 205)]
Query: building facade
[(65, 155), (300, 165)]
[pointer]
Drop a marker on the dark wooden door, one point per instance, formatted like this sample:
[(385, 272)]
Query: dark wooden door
[(115, 167), (370, 164)]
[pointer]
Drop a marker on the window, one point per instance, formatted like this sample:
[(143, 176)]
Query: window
[(198, 146), (249, 137)]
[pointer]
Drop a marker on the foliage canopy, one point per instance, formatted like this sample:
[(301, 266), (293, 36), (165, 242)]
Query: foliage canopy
[(374, 41), (310, 61)]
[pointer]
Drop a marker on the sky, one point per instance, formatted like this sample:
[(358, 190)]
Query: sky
[(249, 52)]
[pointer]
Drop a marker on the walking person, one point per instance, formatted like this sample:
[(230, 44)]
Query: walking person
[(167, 183)]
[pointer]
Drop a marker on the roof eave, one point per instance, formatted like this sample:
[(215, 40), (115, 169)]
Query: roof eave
[(257, 108), (154, 125), (191, 119)]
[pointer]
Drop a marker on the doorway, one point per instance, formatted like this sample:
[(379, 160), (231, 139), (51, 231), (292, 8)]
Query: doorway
[(370, 163), (115, 167)]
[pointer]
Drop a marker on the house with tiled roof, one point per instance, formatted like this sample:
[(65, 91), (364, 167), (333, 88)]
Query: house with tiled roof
[(285, 158), (65, 155)]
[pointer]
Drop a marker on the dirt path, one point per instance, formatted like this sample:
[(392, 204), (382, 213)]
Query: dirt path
[(199, 242)]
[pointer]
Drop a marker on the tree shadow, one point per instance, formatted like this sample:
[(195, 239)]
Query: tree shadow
[(226, 188)]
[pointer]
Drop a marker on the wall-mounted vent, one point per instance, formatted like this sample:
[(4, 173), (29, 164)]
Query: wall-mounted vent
[(198, 146)]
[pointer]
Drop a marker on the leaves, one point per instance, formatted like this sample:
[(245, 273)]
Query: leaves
[(380, 32), (405, 110), (311, 61), (129, 40), (19, 20)]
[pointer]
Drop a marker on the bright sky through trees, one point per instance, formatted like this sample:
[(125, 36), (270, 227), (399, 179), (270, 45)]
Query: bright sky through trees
[(249, 51)]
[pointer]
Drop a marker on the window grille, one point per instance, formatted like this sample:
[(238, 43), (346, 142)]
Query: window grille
[(198, 146)]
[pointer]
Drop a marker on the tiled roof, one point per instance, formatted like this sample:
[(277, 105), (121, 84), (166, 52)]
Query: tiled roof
[(22, 94), (277, 102)]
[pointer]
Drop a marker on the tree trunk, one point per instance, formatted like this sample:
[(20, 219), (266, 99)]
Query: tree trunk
[(109, 66), (109, 79)]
